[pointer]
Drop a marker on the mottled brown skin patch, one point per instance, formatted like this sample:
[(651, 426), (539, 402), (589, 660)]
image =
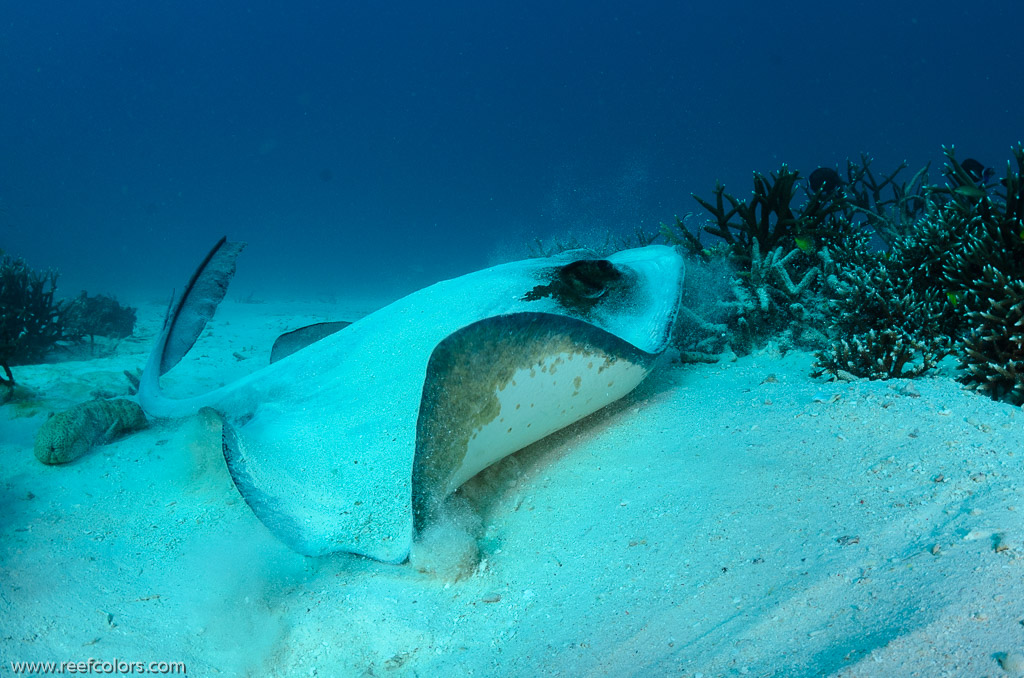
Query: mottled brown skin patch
[(469, 368), (581, 285)]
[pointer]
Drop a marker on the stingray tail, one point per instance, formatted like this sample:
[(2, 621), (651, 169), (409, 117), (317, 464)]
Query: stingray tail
[(185, 320)]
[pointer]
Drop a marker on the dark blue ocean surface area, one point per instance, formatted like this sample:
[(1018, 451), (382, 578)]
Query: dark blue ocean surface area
[(381, 146)]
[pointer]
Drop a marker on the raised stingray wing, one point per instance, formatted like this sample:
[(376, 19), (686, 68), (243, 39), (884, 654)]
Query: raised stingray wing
[(198, 302)]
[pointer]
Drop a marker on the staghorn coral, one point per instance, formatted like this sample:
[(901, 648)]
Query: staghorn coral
[(775, 248), (889, 208), (765, 302), (33, 324), (882, 327), (768, 276), (988, 228), (30, 320), (769, 218), (983, 271), (99, 315), (786, 255), (993, 351), (949, 282), (702, 326), (876, 354), (723, 308)]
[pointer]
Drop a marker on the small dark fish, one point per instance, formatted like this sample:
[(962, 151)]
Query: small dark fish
[(825, 179), (974, 168)]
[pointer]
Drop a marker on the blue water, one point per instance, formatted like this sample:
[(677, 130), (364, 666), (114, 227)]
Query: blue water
[(363, 144)]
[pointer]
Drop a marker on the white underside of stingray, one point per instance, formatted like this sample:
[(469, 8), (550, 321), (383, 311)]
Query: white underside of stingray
[(541, 399), (351, 443)]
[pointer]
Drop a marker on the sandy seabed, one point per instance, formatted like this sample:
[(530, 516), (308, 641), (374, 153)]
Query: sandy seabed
[(739, 518)]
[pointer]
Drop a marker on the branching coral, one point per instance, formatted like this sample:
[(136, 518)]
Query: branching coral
[(97, 316), (993, 351), (949, 280), (771, 243), (876, 354), (882, 327), (984, 271), (30, 320), (890, 213), (769, 218), (772, 269), (761, 302), (703, 324), (987, 229)]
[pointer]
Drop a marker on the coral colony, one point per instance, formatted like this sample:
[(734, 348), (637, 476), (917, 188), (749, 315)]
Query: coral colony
[(33, 325), (30, 322), (882, 278)]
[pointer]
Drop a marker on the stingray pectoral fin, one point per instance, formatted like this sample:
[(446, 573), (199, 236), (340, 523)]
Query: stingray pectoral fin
[(186, 318), (296, 340), (500, 384), (316, 491), (273, 513), (198, 302)]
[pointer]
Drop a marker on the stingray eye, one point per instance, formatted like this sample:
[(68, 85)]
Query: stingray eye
[(589, 278)]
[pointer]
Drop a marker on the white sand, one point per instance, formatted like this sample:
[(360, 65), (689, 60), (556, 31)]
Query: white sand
[(730, 519)]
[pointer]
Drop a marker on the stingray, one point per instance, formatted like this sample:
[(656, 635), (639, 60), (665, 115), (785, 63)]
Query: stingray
[(352, 442)]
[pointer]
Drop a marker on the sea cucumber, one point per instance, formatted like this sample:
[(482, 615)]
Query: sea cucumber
[(68, 435)]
